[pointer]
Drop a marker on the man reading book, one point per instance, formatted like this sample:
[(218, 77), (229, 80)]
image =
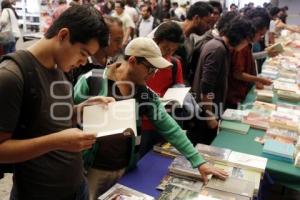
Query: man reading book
[(127, 79)]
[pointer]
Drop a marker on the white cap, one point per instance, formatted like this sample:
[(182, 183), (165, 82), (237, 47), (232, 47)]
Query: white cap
[(148, 49)]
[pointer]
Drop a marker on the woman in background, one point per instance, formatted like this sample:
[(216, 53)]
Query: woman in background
[(9, 23)]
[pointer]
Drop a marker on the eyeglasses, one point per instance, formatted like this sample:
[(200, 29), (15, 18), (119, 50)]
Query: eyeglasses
[(151, 68)]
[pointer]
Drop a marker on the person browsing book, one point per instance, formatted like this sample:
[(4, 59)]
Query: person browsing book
[(127, 78)]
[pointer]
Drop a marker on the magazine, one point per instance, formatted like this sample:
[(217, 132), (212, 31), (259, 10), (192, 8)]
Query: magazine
[(213, 153), (180, 182)]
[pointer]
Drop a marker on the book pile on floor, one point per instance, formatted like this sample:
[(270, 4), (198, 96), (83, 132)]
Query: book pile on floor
[(184, 182)]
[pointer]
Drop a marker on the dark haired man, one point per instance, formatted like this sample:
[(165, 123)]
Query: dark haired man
[(147, 22), (211, 78), (46, 150), (128, 24)]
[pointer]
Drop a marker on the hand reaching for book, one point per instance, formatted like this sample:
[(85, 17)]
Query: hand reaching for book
[(207, 169)]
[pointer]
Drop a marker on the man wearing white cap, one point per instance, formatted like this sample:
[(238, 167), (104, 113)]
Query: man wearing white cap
[(126, 77)]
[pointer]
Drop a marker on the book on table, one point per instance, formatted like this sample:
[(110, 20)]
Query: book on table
[(166, 149), (180, 182), (234, 127), (175, 96), (182, 167), (289, 95), (284, 121), (257, 120), (283, 133), (213, 153), (221, 194), (279, 151), (119, 191), (173, 192), (244, 174), (232, 185), (116, 118), (234, 115), (247, 161), (264, 95)]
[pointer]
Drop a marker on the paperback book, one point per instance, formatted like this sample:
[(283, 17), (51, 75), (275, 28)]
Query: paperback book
[(180, 182), (244, 174), (247, 161), (182, 167), (213, 153), (222, 195), (257, 120), (175, 96), (235, 127), (119, 191), (166, 149), (245, 188), (279, 151), (234, 115), (116, 118), (289, 135), (173, 192)]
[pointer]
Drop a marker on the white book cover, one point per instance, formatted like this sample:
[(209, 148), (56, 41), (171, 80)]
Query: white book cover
[(112, 119), (285, 86), (122, 192), (234, 115), (256, 163), (175, 95)]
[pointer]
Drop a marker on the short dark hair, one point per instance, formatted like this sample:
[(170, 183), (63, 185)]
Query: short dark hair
[(231, 5), (149, 9), (84, 23), (202, 9), (217, 5), (274, 11), (259, 17), (225, 20), (170, 31), (239, 29), (122, 4)]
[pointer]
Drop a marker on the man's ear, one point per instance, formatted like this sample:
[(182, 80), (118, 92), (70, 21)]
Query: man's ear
[(132, 60), (63, 35)]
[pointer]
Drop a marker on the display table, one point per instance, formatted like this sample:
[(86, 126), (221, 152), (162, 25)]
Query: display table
[(285, 174), (147, 175)]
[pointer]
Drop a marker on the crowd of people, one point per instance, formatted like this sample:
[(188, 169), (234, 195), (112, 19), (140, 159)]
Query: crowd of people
[(114, 50)]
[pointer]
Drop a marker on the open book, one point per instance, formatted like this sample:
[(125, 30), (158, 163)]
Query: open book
[(277, 47), (175, 95), (117, 118)]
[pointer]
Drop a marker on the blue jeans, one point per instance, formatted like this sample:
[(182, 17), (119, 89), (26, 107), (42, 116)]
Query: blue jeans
[(81, 194)]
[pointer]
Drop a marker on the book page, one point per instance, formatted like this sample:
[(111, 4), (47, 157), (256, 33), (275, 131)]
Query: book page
[(175, 94), (113, 119)]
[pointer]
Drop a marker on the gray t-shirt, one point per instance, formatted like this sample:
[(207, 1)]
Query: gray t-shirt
[(54, 175)]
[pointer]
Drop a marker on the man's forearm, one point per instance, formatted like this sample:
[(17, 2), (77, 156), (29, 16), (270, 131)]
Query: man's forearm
[(12, 151)]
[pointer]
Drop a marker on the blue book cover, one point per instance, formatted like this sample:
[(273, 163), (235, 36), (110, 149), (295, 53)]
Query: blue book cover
[(276, 148)]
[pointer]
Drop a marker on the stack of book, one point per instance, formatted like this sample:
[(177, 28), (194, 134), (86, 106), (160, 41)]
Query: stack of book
[(279, 151), (212, 153), (180, 182), (260, 114), (181, 167), (243, 174), (233, 185), (264, 95), (269, 73), (289, 95), (234, 127), (119, 191), (234, 115), (282, 135), (173, 192), (284, 121), (292, 87)]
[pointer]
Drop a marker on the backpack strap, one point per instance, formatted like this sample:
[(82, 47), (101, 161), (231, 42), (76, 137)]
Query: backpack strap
[(174, 70), (31, 100), (31, 92)]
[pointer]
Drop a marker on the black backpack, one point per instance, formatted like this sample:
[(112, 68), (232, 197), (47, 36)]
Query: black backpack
[(31, 98)]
